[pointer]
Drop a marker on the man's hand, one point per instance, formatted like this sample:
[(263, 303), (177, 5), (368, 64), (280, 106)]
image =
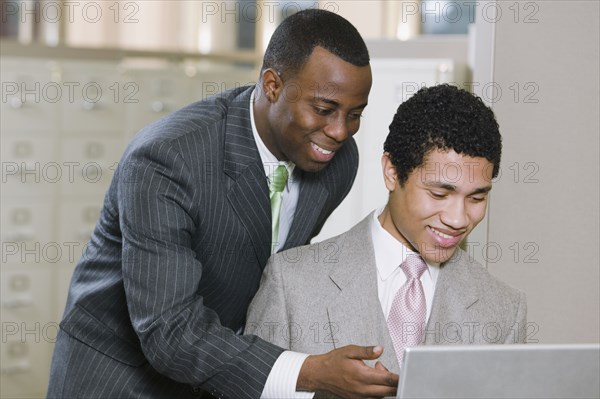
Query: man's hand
[(344, 373)]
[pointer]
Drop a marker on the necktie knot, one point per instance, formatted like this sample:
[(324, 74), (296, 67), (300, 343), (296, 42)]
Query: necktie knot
[(278, 179), (413, 266)]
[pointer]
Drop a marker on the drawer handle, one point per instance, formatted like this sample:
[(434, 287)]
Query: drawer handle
[(17, 303), (88, 105), (158, 106), (19, 368), (19, 237), (16, 103)]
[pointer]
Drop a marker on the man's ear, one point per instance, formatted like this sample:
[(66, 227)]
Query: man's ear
[(390, 177), (271, 84)]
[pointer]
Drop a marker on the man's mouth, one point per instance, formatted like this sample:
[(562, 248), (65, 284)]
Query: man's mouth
[(445, 240), (439, 233), (322, 150), (322, 154)]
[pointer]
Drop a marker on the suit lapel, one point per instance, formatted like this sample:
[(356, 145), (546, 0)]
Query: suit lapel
[(312, 198), (354, 310), (454, 301), (249, 192)]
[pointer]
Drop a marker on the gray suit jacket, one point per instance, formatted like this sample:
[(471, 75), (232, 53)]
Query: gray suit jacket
[(176, 258), (315, 298)]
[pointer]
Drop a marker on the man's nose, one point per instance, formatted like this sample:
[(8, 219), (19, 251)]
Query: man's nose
[(455, 215), (338, 129)]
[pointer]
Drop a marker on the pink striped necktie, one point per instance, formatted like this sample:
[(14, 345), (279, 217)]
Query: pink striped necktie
[(406, 320)]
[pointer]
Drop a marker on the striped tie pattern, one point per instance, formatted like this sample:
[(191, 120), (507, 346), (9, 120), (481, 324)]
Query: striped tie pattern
[(406, 319)]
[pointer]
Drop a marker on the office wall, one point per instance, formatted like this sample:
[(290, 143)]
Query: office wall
[(544, 212)]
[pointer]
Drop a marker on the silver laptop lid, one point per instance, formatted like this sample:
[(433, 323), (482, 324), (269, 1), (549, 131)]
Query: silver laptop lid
[(501, 371)]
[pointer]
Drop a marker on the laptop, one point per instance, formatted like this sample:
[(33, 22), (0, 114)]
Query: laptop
[(501, 371)]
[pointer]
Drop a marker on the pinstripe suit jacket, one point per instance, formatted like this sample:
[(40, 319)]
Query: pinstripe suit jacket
[(315, 298), (176, 258)]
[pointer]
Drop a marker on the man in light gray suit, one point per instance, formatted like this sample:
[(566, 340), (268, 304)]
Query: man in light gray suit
[(441, 154), (157, 303)]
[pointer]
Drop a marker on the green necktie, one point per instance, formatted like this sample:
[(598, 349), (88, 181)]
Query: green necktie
[(276, 185)]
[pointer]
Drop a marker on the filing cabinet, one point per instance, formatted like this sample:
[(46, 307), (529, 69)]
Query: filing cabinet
[(94, 98), (30, 96), (211, 79), (88, 165), (158, 92), (28, 328), (82, 216), (29, 167), (27, 224), (65, 124)]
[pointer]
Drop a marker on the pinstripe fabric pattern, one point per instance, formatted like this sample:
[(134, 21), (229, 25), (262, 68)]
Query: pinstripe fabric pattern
[(176, 258)]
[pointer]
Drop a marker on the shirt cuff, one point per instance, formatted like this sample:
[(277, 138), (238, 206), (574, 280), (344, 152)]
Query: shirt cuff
[(282, 380)]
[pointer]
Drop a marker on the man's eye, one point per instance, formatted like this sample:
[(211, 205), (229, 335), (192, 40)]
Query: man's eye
[(322, 111), (478, 199), (355, 116), (437, 195)]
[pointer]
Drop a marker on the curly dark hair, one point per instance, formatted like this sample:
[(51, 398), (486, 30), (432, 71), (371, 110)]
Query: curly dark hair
[(442, 117), (296, 37)]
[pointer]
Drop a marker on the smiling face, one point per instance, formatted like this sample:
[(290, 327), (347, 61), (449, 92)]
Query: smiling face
[(312, 113), (439, 205)]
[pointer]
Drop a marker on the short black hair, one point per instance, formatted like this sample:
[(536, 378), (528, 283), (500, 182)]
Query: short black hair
[(297, 36), (442, 117)]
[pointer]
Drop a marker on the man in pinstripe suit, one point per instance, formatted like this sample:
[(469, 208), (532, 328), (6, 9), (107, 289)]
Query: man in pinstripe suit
[(158, 300)]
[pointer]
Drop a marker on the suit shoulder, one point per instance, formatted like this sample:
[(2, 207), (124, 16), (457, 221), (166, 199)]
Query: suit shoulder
[(195, 119), (309, 260), (472, 272), (198, 127)]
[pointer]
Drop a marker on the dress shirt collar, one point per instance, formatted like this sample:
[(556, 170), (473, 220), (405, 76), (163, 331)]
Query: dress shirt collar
[(269, 161), (390, 253)]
